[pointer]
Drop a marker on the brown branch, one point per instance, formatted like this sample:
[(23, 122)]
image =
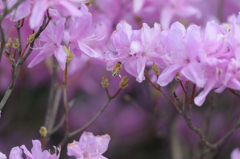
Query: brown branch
[(107, 92), (111, 97), (49, 19), (3, 41), (16, 68), (184, 90), (191, 101), (175, 105), (150, 82), (234, 92), (18, 27), (86, 125), (61, 122)]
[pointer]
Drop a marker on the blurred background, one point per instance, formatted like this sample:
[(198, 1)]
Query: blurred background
[(141, 122)]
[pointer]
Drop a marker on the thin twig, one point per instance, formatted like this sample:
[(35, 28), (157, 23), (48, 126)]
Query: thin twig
[(175, 105), (234, 92), (191, 101), (86, 125), (184, 90), (115, 94), (61, 122), (65, 97), (18, 27), (16, 68)]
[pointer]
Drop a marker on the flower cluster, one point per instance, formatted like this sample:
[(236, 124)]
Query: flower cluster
[(89, 146), (36, 152), (209, 58)]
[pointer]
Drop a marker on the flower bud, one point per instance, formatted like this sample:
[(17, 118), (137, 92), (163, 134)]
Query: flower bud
[(89, 3), (15, 43), (69, 54), (9, 44), (31, 38), (155, 69), (43, 131), (105, 83), (124, 82), (177, 75)]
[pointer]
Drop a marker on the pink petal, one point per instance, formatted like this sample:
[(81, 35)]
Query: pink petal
[(61, 56), (168, 74), (40, 57), (36, 149), (166, 17), (141, 61), (194, 72), (87, 50), (103, 142), (16, 153), (131, 66), (38, 13), (210, 84), (235, 154), (73, 149), (137, 5), (26, 152), (220, 89), (136, 47), (187, 10), (67, 9)]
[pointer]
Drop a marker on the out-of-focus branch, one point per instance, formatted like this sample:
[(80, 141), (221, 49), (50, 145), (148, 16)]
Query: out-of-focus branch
[(158, 88), (16, 68), (3, 41), (123, 84), (234, 92), (3, 15), (61, 122), (65, 98), (195, 129), (18, 27), (86, 125)]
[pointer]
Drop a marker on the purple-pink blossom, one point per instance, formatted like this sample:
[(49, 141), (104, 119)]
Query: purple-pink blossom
[(89, 146)]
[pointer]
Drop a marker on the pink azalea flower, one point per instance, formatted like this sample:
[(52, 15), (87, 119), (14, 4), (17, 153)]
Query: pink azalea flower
[(134, 48), (89, 146), (80, 33), (52, 36), (216, 55), (65, 7), (37, 153), (181, 48), (180, 8), (23, 10), (2, 156), (235, 154)]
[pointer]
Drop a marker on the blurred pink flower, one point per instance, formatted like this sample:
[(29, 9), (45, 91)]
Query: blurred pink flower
[(16, 153), (235, 154), (23, 10), (65, 8), (37, 153), (180, 8), (53, 36), (181, 48), (2, 156), (89, 146), (134, 48), (80, 32)]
